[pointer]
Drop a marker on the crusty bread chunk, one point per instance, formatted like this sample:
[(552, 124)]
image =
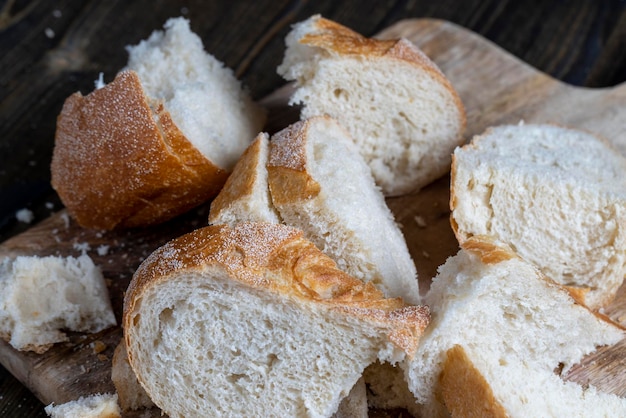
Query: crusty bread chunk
[(255, 321), (131, 396), (158, 140), (246, 196), (320, 184), (93, 406), (40, 297), (400, 109), (557, 196), (519, 329)]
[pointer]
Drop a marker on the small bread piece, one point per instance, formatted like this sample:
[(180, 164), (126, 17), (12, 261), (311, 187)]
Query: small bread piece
[(556, 196), (93, 406), (246, 196), (503, 312), (256, 321), (131, 396), (320, 184), (158, 140), (40, 297), (398, 106)]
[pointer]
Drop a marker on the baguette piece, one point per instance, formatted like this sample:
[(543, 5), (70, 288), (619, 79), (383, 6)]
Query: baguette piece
[(93, 406), (398, 106), (523, 326), (255, 321), (246, 196), (75, 298), (557, 196), (320, 184), (158, 140)]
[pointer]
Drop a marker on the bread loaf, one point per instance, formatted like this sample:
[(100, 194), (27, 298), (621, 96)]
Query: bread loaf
[(43, 297), (520, 330), (400, 109), (158, 140), (557, 196), (320, 184), (246, 196), (255, 321)]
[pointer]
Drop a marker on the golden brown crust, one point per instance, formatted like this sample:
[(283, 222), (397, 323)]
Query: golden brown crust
[(341, 40), (287, 173), (464, 390), (240, 184), (279, 259), (119, 163)]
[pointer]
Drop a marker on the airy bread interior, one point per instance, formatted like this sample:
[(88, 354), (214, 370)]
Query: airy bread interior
[(404, 115), (42, 297), (319, 183), (93, 406), (501, 310), (203, 97), (255, 321), (557, 196)]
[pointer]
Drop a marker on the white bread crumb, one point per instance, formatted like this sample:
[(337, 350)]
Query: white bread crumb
[(75, 298)]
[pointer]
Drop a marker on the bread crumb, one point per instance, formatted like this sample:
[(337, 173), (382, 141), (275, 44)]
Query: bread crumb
[(83, 247), (25, 215), (99, 83), (103, 250), (49, 205), (66, 220), (420, 221)]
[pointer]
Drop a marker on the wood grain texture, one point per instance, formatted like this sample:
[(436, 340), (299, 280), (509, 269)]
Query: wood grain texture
[(51, 49)]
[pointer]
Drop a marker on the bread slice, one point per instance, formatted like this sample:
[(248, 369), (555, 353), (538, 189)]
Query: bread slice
[(557, 196), (42, 297), (476, 385), (93, 406), (255, 321), (246, 196), (158, 140), (320, 184), (398, 106), (502, 311)]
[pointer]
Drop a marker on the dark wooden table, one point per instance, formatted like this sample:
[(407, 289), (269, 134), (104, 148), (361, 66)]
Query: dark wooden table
[(50, 49)]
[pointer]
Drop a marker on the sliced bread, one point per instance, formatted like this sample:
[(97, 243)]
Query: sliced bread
[(398, 106), (556, 196), (320, 184), (155, 142), (246, 194), (255, 321), (520, 330)]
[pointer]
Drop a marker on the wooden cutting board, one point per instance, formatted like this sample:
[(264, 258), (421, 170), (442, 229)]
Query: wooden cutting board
[(495, 87)]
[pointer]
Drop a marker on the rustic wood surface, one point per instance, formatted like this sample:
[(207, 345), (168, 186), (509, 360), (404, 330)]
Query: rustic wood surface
[(51, 49)]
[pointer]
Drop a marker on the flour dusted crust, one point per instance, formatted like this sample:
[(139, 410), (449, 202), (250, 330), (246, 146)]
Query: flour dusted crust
[(245, 195), (227, 315), (399, 107), (120, 161), (279, 259)]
